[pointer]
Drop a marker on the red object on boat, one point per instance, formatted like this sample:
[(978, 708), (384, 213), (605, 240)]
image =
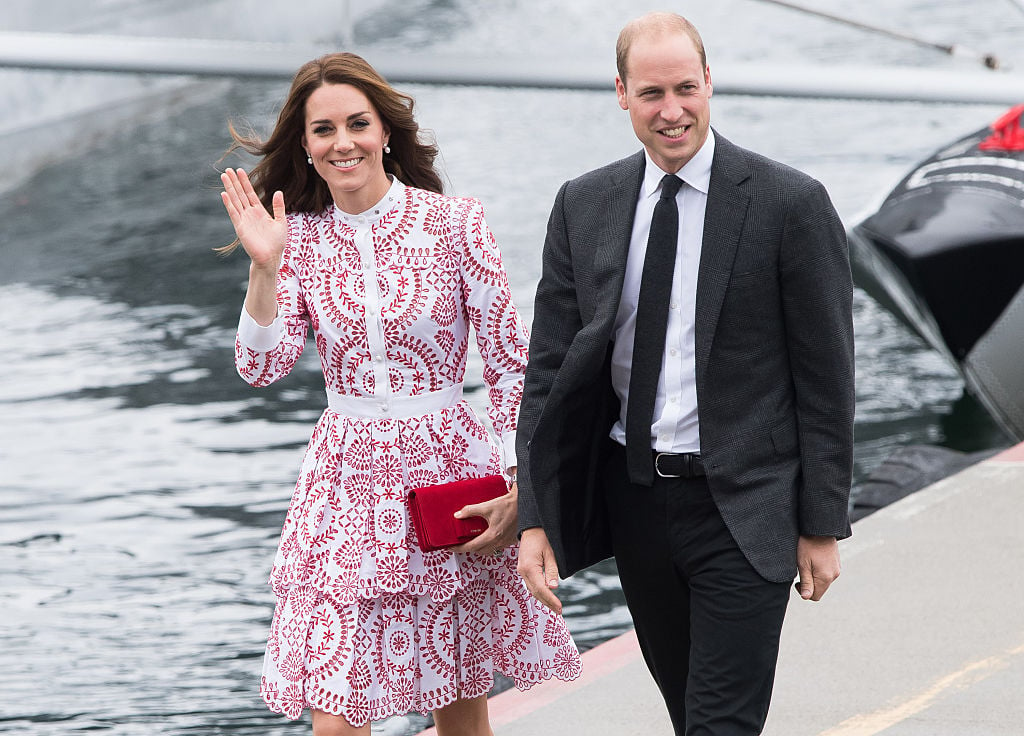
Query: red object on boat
[(1007, 133)]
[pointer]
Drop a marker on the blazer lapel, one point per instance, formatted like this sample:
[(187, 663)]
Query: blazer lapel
[(726, 211), (616, 230)]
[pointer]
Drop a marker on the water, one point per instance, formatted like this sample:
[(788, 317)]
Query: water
[(143, 484)]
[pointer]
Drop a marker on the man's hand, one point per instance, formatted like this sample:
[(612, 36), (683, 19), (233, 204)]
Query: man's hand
[(538, 568), (817, 559)]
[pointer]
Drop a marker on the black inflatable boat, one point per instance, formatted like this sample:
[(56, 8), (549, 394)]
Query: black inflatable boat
[(945, 253)]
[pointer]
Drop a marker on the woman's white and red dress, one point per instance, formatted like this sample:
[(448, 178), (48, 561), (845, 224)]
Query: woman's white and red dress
[(367, 624)]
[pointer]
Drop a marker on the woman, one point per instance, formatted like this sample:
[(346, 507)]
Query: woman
[(390, 274)]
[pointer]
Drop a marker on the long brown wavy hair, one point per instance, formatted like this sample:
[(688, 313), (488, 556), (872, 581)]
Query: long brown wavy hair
[(283, 160)]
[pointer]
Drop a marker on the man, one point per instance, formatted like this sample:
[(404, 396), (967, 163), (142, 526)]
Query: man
[(705, 440)]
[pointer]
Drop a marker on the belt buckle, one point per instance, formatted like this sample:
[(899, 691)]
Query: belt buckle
[(657, 467)]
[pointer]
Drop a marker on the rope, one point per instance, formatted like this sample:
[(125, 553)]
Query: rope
[(989, 60)]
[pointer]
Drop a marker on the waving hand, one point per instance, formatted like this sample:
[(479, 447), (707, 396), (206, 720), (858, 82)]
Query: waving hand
[(262, 236)]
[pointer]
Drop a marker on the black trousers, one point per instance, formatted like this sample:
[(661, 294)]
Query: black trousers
[(707, 623)]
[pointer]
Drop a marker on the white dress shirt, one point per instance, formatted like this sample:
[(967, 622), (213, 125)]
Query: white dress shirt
[(675, 427)]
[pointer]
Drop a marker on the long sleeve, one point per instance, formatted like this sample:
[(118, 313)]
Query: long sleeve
[(501, 334), (817, 296), (265, 354), (556, 324)]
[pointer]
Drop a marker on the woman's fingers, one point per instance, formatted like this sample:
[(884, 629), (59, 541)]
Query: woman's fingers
[(261, 235), (235, 199), (228, 207), (279, 213), (247, 190), (239, 189), (500, 515), (229, 197), (243, 205)]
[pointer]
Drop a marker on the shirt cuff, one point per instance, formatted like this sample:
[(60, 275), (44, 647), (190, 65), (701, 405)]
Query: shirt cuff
[(254, 335)]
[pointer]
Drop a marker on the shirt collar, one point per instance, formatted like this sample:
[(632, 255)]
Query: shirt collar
[(696, 172)]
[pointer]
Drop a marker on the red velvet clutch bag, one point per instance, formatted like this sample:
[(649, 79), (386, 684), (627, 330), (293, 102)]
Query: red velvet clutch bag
[(433, 509)]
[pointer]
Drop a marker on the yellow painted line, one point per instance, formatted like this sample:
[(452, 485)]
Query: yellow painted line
[(869, 724)]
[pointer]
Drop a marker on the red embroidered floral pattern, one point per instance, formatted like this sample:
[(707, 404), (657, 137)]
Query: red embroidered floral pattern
[(367, 624)]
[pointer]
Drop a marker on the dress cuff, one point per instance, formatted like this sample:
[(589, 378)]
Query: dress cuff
[(508, 449), (254, 335)]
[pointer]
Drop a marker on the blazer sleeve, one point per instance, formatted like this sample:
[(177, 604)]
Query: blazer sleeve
[(556, 322), (817, 303)]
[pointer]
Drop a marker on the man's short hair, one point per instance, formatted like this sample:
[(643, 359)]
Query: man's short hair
[(654, 24)]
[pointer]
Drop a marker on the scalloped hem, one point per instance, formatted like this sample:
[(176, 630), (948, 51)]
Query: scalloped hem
[(360, 715), (401, 652), (568, 673)]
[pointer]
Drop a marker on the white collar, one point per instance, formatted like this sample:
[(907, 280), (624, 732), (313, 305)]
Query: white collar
[(391, 199), (696, 172)]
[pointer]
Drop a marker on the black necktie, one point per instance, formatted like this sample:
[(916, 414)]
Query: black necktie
[(651, 322)]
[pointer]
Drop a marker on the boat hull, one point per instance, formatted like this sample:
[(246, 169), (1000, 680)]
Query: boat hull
[(945, 254)]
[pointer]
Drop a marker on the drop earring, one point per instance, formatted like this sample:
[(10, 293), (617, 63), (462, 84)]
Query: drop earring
[(309, 158), (387, 148)]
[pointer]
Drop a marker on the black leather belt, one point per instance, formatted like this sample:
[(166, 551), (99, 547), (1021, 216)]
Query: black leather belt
[(682, 465)]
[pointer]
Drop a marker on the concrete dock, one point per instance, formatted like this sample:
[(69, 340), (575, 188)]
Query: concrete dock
[(922, 635)]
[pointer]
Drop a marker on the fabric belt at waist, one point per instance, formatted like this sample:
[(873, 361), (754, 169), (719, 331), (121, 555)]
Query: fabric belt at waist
[(678, 465), (393, 407)]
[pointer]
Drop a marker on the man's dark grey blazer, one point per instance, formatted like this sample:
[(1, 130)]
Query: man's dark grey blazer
[(774, 360)]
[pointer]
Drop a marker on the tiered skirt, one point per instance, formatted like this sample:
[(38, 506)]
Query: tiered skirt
[(366, 624)]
